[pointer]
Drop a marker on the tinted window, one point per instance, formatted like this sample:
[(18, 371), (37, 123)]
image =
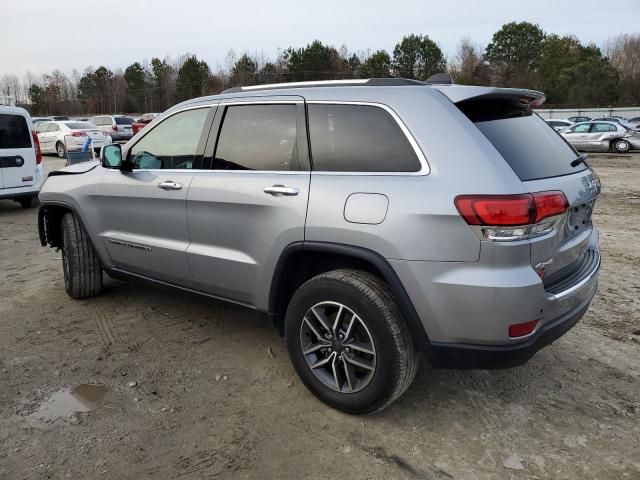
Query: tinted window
[(14, 132), (358, 138), (257, 137), (530, 147), (124, 121), (172, 144)]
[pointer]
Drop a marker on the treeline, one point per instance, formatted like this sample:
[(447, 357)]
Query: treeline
[(519, 55)]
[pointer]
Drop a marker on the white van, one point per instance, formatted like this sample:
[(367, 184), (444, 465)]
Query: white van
[(21, 174)]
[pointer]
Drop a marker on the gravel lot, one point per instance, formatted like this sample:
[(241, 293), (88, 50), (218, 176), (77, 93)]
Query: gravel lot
[(199, 389)]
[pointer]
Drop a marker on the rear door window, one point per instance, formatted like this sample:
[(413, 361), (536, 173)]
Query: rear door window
[(257, 137), (358, 138), (603, 127), (525, 141), (14, 132)]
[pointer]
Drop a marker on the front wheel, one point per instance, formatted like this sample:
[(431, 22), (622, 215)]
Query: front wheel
[(80, 262), (348, 342), (621, 146)]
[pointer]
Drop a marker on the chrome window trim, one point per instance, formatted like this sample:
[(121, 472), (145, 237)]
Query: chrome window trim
[(424, 165)]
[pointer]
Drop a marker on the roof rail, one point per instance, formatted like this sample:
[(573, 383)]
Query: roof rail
[(370, 82)]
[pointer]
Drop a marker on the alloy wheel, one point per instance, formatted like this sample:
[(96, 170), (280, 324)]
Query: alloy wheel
[(338, 347)]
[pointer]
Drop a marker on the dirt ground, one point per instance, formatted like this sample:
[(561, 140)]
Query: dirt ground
[(199, 389)]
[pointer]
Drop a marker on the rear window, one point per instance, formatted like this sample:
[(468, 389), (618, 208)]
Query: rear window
[(358, 138), (14, 132), (79, 125), (531, 147), (124, 121)]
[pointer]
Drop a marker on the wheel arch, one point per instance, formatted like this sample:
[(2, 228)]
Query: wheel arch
[(49, 223), (301, 261)]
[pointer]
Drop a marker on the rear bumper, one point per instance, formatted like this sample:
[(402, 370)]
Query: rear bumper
[(461, 356)]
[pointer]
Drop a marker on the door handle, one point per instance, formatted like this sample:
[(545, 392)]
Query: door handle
[(170, 185), (279, 190)]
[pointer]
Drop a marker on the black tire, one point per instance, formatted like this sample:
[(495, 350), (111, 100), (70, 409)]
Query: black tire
[(396, 357), (620, 146), (60, 150), (28, 202), (80, 262)]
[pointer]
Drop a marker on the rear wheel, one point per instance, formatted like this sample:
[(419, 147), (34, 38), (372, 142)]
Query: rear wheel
[(348, 341), (28, 202), (80, 263), (620, 146), (60, 150)]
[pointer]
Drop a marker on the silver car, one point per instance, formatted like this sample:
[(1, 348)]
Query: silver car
[(602, 136), (119, 127), (344, 213)]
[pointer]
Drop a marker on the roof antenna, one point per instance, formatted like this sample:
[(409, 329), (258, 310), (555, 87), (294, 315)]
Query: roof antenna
[(442, 78)]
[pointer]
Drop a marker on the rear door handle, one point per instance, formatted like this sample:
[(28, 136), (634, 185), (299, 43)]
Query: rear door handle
[(278, 190), (170, 185)]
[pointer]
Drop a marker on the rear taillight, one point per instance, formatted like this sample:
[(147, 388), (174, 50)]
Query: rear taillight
[(36, 146), (549, 204), (114, 128), (79, 134), (512, 217)]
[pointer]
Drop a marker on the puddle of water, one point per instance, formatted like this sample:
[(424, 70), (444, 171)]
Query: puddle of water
[(83, 398)]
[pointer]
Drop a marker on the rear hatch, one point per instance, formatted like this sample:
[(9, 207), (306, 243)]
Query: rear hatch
[(124, 124), (544, 162), (17, 152)]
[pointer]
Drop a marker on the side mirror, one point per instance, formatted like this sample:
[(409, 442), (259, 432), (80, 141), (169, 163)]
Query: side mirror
[(111, 156)]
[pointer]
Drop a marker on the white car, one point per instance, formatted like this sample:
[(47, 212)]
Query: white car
[(559, 124), (57, 137), (21, 174), (602, 136)]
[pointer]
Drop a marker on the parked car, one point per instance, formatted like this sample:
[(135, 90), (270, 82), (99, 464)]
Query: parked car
[(38, 120), (578, 118), (602, 136), (559, 124), (393, 239), (21, 173), (56, 137), (143, 121), (634, 123), (620, 120), (118, 126)]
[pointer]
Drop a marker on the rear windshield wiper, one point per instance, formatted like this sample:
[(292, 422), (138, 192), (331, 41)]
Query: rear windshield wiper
[(581, 159)]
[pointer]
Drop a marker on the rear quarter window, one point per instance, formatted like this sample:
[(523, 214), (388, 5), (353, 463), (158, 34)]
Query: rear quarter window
[(358, 138), (14, 132)]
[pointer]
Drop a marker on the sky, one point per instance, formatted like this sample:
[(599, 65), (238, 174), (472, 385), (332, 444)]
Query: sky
[(42, 35)]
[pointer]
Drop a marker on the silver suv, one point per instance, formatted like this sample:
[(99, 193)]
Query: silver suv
[(369, 220)]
